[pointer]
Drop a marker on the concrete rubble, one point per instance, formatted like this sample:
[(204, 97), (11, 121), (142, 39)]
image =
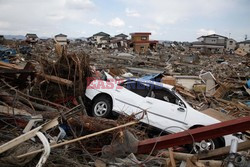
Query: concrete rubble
[(45, 117)]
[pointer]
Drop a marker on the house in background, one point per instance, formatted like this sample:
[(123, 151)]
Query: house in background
[(119, 42), (244, 45), (61, 39), (31, 38), (105, 40), (211, 43), (231, 45), (141, 43), (121, 36), (98, 38)]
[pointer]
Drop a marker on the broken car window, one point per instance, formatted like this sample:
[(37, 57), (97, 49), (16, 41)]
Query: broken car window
[(136, 87), (164, 95)]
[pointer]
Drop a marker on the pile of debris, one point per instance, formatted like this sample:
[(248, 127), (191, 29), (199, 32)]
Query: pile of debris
[(45, 119)]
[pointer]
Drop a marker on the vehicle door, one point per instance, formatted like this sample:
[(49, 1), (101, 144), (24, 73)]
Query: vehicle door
[(165, 109), (129, 95)]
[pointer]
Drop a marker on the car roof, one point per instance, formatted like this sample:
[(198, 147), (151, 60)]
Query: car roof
[(154, 83)]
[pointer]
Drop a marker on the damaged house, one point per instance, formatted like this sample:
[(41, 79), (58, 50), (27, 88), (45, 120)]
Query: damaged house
[(121, 36), (98, 38), (31, 38), (245, 46), (231, 45), (119, 41), (61, 39), (141, 43), (211, 43)]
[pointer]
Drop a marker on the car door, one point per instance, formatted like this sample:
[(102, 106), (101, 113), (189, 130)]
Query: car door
[(165, 110), (128, 96)]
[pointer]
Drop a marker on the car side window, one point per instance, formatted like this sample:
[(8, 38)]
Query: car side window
[(164, 95), (137, 88)]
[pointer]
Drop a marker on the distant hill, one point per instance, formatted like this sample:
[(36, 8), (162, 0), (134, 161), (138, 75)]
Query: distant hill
[(14, 37), (82, 38)]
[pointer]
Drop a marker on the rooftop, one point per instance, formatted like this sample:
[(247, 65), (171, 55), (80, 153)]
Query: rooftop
[(61, 35), (141, 33), (101, 34), (31, 35), (121, 35), (245, 42), (213, 36)]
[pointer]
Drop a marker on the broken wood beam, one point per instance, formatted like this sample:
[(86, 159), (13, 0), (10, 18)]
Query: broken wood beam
[(10, 111), (20, 139), (35, 98), (56, 79), (11, 66), (12, 101), (185, 156), (16, 71), (91, 124), (40, 107), (171, 156)]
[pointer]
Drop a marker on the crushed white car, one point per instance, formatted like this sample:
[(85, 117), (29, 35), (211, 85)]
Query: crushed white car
[(165, 108)]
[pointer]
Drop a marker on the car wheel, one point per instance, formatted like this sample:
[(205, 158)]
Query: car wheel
[(101, 107), (205, 145)]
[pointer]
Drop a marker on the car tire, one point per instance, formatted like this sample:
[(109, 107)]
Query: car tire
[(211, 145), (101, 107)]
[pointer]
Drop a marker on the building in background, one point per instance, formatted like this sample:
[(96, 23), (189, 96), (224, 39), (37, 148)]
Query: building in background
[(211, 43), (244, 45), (31, 38), (98, 38), (141, 43), (61, 39), (231, 45), (121, 36)]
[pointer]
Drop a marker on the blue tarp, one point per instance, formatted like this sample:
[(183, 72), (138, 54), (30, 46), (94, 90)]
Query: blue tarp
[(5, 53), (248, 83)]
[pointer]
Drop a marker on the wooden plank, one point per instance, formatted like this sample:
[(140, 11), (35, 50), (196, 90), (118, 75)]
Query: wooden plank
[(29, 67), (12, 66), (185, 157), (171, 156), (10, 111), (19, 140), (16, 71), (56, 79), (26, 136)]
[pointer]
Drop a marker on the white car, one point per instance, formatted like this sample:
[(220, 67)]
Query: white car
[(165, 108)]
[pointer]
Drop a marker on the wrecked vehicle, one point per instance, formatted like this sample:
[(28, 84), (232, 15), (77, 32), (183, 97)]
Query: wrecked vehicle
[(166, 110)]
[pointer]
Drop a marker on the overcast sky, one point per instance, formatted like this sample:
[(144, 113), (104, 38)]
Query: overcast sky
[(182, 20)]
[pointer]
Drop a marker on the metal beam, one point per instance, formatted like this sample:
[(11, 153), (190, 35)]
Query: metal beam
[(206, 132)]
